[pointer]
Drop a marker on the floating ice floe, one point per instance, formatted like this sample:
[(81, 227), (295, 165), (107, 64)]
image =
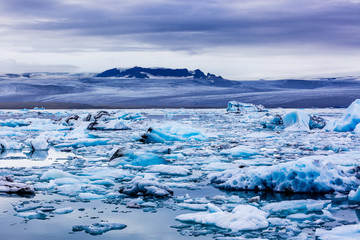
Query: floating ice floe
[(303, 175), (147, 187), (172, 132), (350, 119), (169, 170), (129, 158), (346, 232), (294, 206), (32, 215), (64, 210), (241, 218), (239, 107), (7, 185), (240, 151), (15, 123), (98, 228)]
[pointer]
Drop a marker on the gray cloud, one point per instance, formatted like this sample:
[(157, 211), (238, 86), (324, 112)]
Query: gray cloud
[(189, 25)]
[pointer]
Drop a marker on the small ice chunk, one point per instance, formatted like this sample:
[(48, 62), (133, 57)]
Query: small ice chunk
[(90, 196), (98, 228), (147, 187), (240, 151), (54, 174), (172, 132), (65, 210), (241, 218), (293, 206), (169, 170), (354, 195), (39, 143), (348, 232)]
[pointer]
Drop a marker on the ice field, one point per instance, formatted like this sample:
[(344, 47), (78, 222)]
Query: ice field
[(245, 172)]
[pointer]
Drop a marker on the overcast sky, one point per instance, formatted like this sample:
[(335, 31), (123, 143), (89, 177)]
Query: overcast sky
[(238, 39)]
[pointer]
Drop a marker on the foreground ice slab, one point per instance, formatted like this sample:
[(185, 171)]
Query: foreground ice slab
[(307, 175), (243, 217)]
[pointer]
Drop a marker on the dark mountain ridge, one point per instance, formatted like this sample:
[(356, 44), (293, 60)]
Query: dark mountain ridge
[(142, 73)]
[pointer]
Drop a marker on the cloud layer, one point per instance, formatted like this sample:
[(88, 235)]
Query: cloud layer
[(195, 27)]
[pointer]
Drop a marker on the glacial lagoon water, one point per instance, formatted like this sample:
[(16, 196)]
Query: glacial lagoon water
[(171, 163)]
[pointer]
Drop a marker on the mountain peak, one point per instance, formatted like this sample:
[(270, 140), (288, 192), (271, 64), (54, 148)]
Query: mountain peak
[(139, 72)]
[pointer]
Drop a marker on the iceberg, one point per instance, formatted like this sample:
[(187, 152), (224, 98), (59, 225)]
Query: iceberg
[(98, 228), (350, 119), (147, 187), (306, 175), (241, 218), (239, 107), (39, 143)]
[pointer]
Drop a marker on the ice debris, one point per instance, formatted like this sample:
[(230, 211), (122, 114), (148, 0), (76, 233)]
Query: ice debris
[(241, 218), (147, 187), (239, 107), (98, 228), (7, 185), (350, 119), (303, 175)]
